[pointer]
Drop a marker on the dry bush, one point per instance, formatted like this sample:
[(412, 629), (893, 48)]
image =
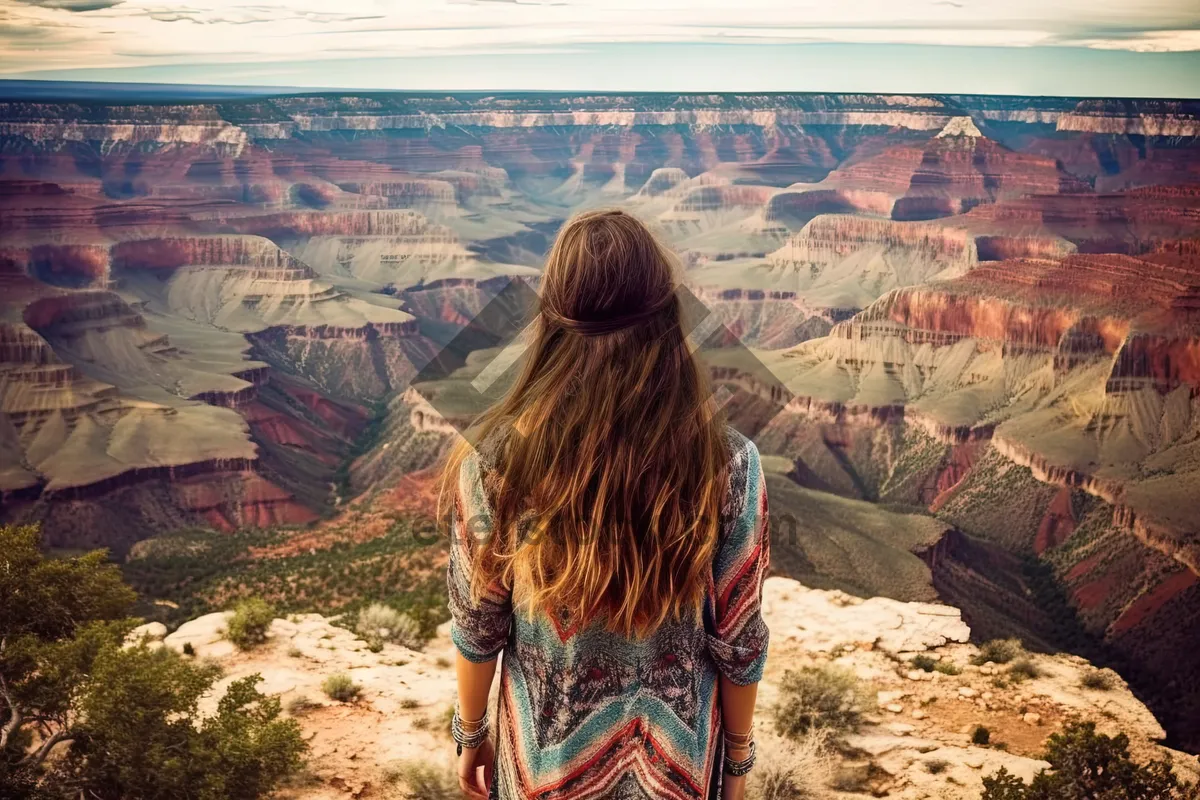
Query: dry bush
[(819, 698), (421, 781), (341, 687), (378, 623), (796, 770)]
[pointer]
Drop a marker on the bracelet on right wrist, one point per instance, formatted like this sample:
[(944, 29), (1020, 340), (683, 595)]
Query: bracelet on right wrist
[(738, 768)]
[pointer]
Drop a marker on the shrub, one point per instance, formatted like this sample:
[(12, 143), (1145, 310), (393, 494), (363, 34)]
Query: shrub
[(799, 772), (936, 766), (248, 626), (301, 704), (189, 649), (924, 662), (998, 651), (947, 668), (423, 781), (818, 698), (777, 782), (981, 735), (1086, 764), (1102, 680), (378, 623), (409, 703), (341, 687), (1024, 669)]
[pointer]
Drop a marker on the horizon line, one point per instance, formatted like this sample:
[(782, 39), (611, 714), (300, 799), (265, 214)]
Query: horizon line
[(267, 90)]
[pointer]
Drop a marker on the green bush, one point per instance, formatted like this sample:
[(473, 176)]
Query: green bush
[(1101, 680), (341, 687), (818, 698), (1085, 765), (998, 651), (378, 623), (248, 626), (947, 668), (924, 662), (122, 721), (981, 735)]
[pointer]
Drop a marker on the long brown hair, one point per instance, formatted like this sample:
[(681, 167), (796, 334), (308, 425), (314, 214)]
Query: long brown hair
[(608, 499)]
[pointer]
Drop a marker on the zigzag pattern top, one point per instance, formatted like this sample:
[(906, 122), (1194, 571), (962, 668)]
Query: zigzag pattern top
[(585, 714)]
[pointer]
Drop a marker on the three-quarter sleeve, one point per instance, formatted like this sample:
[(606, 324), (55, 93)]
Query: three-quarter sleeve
[(738, 636), (480, 628)]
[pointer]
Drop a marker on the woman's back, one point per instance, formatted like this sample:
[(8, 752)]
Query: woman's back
[(609, 538), (588, 713)]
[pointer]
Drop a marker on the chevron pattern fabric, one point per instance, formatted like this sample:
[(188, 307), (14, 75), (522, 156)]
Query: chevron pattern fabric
[(585, 714)]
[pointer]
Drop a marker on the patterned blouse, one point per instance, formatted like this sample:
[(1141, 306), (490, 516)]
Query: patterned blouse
[(587, 714)]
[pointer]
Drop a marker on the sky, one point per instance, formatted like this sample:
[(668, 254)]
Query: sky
[(1148, 48)]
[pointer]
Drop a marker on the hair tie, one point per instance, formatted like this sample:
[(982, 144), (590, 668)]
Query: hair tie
[(599, 327)]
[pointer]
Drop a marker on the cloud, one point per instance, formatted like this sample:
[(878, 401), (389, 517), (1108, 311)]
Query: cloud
[(74, 5), (147, 33)]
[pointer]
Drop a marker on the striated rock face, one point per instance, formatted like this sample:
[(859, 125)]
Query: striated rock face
[(848, 261), (984, 307)]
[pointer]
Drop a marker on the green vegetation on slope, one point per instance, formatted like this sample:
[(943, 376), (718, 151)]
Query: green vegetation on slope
[(202, 571)]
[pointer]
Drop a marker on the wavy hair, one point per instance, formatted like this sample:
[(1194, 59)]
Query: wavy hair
[(606, 502)]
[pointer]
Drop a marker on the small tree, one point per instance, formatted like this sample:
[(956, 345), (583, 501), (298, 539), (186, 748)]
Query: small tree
[(816, 698), (1091, 766), (126, 716), (249, 624)]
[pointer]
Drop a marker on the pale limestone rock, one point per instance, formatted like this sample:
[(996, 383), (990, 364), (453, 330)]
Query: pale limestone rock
[(824, 621), (966, 691), (895, 708), (154, 631), (1032, 718)]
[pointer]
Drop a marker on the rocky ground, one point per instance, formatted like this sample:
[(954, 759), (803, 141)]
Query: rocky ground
[(915, 744)]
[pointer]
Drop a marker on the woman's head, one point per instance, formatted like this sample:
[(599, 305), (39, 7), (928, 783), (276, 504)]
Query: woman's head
[(610, 463)]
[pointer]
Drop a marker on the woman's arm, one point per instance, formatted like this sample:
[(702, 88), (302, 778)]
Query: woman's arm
[(737, 712), (474, 685), (739, 640)]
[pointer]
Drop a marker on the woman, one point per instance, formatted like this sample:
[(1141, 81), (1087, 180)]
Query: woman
[(609, 536)]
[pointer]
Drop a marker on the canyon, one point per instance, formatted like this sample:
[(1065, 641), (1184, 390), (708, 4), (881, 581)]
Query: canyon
[(979, 319)]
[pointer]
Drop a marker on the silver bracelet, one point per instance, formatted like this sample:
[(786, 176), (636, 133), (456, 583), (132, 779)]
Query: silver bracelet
[(735, 769), (468, 739)]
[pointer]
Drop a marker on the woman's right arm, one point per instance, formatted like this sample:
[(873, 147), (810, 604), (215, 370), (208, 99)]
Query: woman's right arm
[(739, 643), (479, 626)]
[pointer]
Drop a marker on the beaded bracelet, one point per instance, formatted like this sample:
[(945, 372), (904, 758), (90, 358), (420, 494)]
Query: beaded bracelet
[(735, 769), (468, 739)]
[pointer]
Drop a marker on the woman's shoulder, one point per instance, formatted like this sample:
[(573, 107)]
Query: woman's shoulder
[(743, 453), (743, 471)]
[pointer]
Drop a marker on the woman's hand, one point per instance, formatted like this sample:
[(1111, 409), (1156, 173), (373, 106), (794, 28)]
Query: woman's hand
[(475, 767)]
